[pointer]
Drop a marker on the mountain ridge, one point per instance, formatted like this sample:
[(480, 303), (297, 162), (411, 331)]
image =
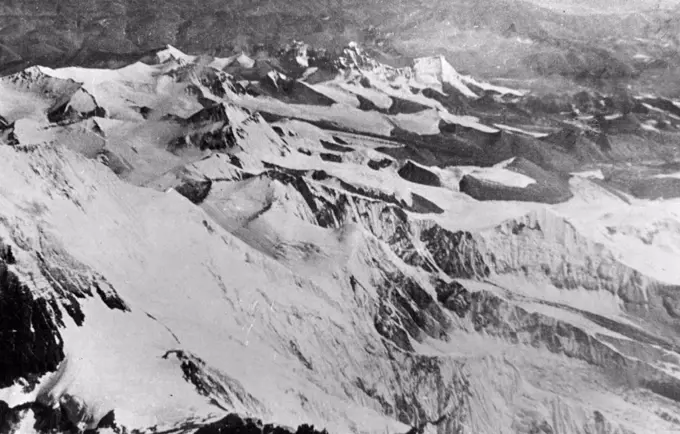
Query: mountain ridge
[(111, 34)]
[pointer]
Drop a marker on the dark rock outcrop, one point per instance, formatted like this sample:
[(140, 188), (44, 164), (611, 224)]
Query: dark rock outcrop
[(400, 105), (75, 107), (29, 335), (456, 253), (663, 104), (220, 389), (454, 297), (419, 175), (235, 424), (220, 138), (196, 190), (213, 113), (453, 100), (422, 205), (339, 141), (48, 419), (335, 147), (547, 188), (4, 123), (379, 164), (291, 91), (334, 158), (407, 310), (367, 105)]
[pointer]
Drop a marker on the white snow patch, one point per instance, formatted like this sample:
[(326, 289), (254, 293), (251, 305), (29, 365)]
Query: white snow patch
[(433, 71), (668, 175), (171, 53), (336, 93), (491, 87), (309, 71), (424, 123), (245, 61), (647, 127), (375, 96), (522, 131), (658, 110), (500, 175), (597, 174)]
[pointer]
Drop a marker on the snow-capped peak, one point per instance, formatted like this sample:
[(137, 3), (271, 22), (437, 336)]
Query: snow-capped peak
[(171, 53), (435, 71)]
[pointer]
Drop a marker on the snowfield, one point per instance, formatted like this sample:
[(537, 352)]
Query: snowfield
[(174, 249)]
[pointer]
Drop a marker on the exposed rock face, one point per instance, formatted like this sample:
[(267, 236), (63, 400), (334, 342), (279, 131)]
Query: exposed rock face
[(414, 173), (4, 124), (30, 337), (380, 164), (291, 91), (546, 188), (455, 253), (81, 105), (211, 114), (222, 391), (409, 311), (195, 189), (335, 147), (234, 423)]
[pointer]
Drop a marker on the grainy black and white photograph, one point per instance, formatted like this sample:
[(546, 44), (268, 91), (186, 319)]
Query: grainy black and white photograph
[(339, 217)]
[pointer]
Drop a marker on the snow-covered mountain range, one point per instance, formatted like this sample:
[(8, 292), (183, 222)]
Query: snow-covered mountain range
[(315, 242)]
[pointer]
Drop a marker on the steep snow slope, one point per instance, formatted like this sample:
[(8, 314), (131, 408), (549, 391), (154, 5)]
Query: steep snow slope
[(162, 267)]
